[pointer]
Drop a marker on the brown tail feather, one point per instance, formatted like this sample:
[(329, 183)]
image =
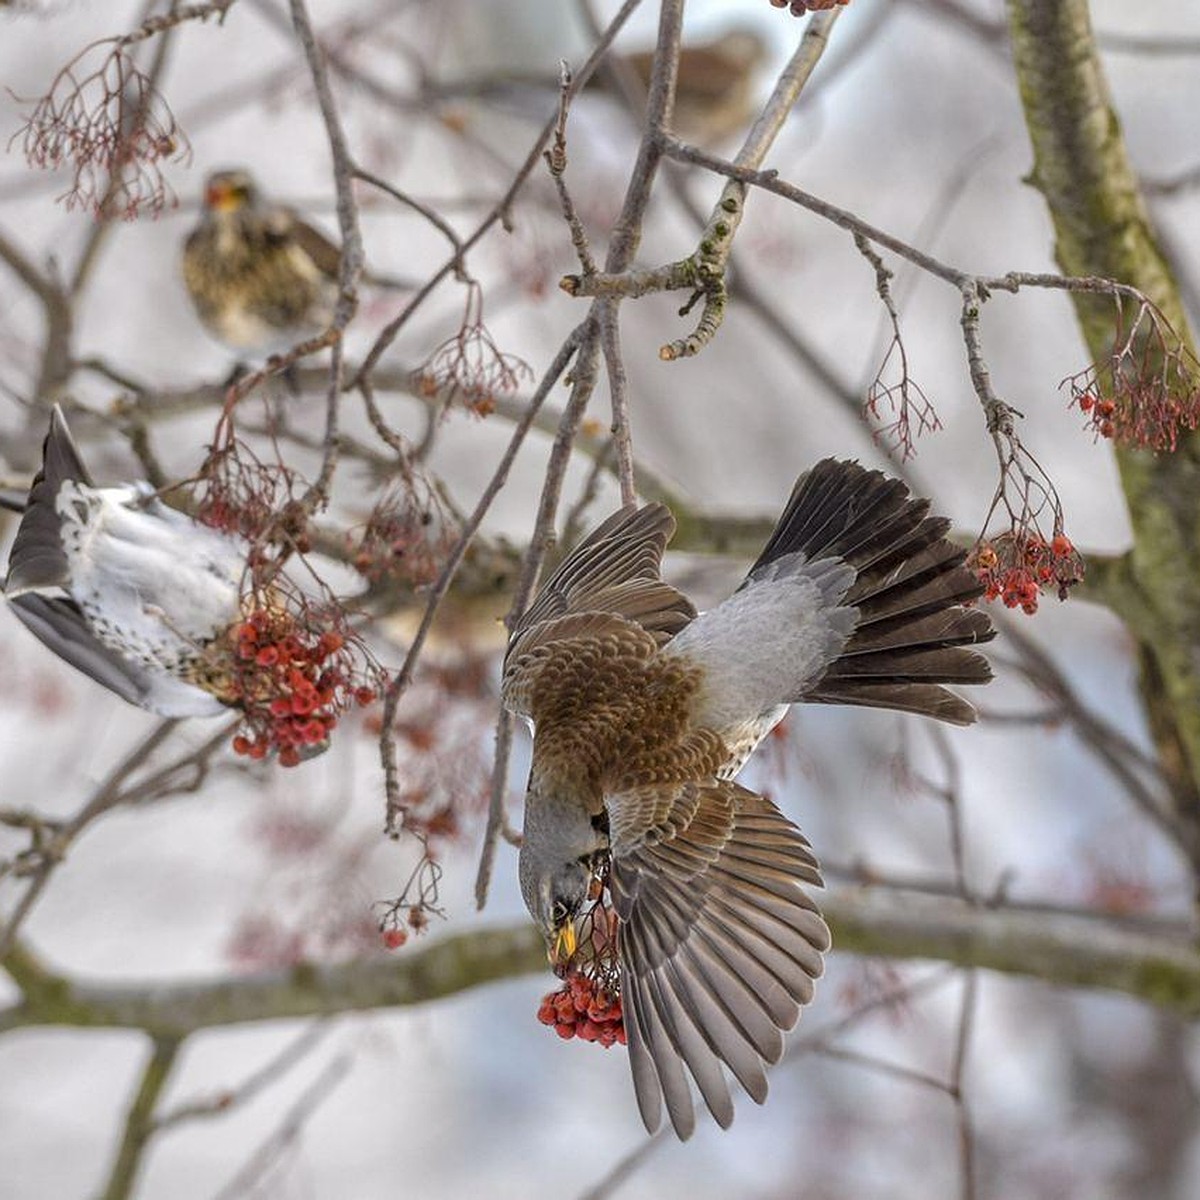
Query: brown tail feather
[(913, 634)]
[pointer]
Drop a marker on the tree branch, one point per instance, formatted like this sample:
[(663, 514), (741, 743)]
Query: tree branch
[(1159, 965)]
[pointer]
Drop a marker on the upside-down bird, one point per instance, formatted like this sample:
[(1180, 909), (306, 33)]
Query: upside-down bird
[(644, 711), (259, 277), (124, 588), (169, 613)]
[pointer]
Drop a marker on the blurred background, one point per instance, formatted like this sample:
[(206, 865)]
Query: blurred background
[(911, 121)]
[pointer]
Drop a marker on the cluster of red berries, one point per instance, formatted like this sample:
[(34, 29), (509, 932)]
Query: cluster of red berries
[(1099, 413), (584, 1009), (1017, 567), (394, 938), (292, 685), (1148, 414)]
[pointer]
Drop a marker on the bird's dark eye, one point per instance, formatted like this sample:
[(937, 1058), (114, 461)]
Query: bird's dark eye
[(559, 914)]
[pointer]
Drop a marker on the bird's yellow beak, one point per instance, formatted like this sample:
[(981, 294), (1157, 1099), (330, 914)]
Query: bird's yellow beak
[(222, 197), (563, 949)]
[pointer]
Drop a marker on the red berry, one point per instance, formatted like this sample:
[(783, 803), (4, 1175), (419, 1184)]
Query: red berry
[(564, 1031), (1061, 545), (268, 656), (1085, 402), (241, 745), (393, 939), (289, 756), (257, 750), (364, 696)]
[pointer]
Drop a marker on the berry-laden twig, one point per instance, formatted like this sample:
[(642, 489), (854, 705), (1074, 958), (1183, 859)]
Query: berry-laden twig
[(588, 1004), (295, 663), (294, 673), (1147, 391), (1032, 554)]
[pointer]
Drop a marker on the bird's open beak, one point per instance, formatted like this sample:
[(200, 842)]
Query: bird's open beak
[(563, 949)]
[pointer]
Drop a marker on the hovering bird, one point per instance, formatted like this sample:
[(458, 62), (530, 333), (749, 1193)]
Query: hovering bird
[(260, 278), (124, 588), (644, 711)]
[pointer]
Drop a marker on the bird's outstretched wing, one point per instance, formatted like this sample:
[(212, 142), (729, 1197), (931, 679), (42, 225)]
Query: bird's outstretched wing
[(58, 623), (37, 559), (608, 586), (719, 944)]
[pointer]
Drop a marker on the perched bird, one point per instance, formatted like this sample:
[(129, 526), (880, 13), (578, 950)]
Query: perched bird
[(122, 587), (715, 85), (260, 278), (644, 711)]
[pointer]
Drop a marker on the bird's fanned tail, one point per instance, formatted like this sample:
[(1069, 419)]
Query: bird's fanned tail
[(913, 634)]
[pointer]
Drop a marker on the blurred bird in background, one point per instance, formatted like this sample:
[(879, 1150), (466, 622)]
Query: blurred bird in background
[(644, 711), (715, 89), (260, 278)]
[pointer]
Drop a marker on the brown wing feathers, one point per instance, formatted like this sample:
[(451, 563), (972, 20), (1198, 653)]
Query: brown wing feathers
[(719, 948), (912, 634), (615, 569)]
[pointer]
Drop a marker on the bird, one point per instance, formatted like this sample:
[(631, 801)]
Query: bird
[(643, 712), (169, 613), (259, 277), (715, 83), (124, 588)]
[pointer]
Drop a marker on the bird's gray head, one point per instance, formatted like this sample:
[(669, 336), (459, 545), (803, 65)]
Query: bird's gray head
[(557, 863)]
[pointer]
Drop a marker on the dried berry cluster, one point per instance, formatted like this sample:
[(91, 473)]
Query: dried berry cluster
[(470, 365), (405, 538), (292, 683), (112, 128), (581, 1008), (243, 496), (1018, 567)]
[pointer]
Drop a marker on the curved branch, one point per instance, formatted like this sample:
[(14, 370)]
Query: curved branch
[(1159, 965)]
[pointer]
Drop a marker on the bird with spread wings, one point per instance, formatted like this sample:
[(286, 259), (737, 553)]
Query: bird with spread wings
[(644, 711)]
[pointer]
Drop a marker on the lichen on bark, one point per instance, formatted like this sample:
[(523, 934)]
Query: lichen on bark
[(1102, 227)]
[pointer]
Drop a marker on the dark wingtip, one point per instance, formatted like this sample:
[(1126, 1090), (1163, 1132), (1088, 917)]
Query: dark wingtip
[(37, 559)]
